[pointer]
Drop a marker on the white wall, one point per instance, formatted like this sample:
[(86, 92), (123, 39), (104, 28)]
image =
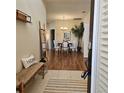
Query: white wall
[(86, 35), (86, 40), (27, 34)]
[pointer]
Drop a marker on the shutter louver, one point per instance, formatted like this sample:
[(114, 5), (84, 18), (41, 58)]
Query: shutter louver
[(102, 77)]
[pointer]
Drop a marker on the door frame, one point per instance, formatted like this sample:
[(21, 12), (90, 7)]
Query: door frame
[(95, 45), (52, 37)]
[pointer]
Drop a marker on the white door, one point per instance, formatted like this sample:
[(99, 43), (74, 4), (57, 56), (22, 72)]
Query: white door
[(99, 78)]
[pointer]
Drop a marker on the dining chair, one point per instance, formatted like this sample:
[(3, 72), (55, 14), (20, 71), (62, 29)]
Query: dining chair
[(65, 47), (70, 47), (56, 47)]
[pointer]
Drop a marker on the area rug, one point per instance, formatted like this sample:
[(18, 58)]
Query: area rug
[(65, 86)]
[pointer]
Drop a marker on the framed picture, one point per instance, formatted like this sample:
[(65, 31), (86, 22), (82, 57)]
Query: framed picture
[(67, 36)]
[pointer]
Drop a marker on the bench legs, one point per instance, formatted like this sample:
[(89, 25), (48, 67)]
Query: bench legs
[(21, 88), (43, 69)]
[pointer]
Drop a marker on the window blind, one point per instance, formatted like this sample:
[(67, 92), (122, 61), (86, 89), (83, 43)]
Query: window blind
[(102, 76)]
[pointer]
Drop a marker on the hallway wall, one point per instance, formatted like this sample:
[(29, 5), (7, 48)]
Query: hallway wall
[(27, 34)]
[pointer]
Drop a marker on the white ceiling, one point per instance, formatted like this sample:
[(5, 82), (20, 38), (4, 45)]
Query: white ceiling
[(70, 9)]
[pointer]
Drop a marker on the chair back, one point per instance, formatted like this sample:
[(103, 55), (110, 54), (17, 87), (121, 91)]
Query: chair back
[(65, 44)]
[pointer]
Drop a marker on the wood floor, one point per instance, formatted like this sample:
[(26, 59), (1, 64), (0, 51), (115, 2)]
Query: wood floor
[(63, 61)]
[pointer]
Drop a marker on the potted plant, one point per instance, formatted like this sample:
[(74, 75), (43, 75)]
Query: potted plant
[(78, 32)]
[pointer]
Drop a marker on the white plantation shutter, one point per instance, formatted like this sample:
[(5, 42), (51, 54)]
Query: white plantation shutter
[(102, 64)]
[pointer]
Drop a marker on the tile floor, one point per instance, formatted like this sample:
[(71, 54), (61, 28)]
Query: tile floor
[(38, 84)]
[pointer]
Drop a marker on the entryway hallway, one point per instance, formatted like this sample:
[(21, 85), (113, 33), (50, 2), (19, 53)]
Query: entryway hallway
[(64, 70), (63, 75)]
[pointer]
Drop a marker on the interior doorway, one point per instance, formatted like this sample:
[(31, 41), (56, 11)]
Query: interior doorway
[(52, 38), (59, 59)]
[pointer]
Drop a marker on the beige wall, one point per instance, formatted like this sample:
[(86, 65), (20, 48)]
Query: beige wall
[(27, 34)]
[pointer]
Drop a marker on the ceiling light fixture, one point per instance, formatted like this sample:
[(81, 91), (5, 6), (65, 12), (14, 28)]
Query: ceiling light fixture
[(63, 28)]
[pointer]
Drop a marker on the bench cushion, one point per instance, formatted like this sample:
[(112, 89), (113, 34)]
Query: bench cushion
[(26, 74)]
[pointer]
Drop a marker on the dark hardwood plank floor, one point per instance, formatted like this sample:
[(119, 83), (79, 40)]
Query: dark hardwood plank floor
[(65, 61)]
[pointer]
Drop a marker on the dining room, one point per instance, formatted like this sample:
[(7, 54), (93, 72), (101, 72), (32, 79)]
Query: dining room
[(64, 52)]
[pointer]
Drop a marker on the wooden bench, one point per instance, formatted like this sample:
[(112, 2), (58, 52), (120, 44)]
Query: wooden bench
[(25, 75)]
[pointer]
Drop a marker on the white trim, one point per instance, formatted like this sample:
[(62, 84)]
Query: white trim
[(95, 45)]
